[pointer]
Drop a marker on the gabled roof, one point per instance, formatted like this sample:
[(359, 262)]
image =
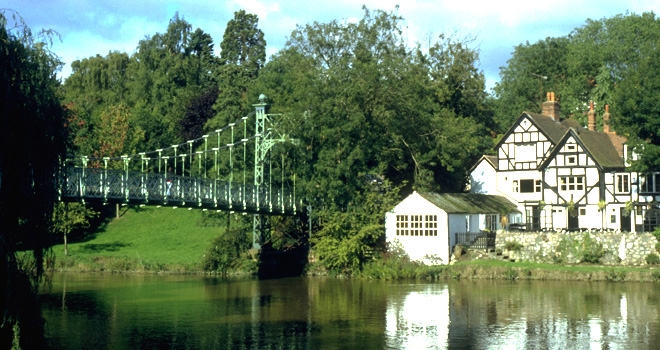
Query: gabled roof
[(469, 203), (547, 125), (492, 160), (598, 145), (606, 149)]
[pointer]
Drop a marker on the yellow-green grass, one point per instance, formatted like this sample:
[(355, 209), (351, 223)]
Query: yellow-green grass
[(143, 239)]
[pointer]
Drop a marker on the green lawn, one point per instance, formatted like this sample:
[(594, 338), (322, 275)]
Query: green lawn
[(150, 238)]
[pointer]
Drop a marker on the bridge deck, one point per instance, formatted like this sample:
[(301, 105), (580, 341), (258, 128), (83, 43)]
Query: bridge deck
[(118, 186)]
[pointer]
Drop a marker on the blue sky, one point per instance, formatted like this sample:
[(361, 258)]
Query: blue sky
[(91, 27)]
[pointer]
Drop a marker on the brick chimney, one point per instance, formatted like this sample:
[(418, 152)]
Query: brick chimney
[(551, 107), (591, 117), (606, 120)]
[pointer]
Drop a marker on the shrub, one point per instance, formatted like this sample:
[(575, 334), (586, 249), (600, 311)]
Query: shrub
[(225, 251), (615, 276), (657, 247), (513, 246), (656, 233), (652, 259), (592, 251), (510, 274)]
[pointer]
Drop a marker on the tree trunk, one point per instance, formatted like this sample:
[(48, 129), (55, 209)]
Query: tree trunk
[(66, 247)]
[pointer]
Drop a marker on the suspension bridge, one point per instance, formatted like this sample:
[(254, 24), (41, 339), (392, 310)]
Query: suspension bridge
[(198, 173)]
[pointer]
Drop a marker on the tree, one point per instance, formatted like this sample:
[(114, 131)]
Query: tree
[(586, 65), (363, 107), (31, 151), (637, 108), (242, 55), (70, 216), (115, 135)]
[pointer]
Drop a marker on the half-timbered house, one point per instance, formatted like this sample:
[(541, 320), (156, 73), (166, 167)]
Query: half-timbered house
[(564, 176)]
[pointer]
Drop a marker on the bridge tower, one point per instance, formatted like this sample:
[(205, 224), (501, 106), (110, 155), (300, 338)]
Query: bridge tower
[(264, 141)]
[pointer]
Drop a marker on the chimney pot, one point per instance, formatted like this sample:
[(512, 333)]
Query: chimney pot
[(591, 117), (606, 120), (551, 107)]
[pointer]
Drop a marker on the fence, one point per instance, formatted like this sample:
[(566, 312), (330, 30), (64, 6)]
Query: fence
[(476, 240)]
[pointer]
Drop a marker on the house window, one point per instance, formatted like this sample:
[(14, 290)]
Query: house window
[(645, 183), (623, 183), (530, 186), (416, 225), (402, 225), (515, 186), (526, 186), (571, 183), (430, 225), (583, 211), (570, 147), (571, 160)]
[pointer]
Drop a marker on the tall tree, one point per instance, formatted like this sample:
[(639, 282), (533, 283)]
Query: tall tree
[(585, 65), (242, 55), (637, 108), (31, 150), (366, 109)]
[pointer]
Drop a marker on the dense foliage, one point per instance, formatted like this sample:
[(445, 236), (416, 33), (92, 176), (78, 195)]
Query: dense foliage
[(31, 148), (611, 61)]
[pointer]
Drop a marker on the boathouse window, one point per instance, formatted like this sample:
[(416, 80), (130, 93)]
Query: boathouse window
[(416, 225), (623, 183), (571, 183), (430, 225), (402, 225)]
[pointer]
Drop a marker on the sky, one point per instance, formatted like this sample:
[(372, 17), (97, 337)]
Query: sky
[(90, 27)]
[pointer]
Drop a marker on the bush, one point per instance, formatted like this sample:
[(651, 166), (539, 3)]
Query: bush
[(513, 246), (225, 251), (592, 251), (657, 247), (656, 233), (652, 259)]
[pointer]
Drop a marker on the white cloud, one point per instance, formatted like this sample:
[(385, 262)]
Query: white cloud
[(259, 8)]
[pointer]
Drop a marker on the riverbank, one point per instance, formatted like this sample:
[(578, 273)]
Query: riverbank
[(166, 240), (475, 269)]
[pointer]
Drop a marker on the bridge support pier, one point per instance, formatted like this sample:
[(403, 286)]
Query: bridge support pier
[(260, 231)]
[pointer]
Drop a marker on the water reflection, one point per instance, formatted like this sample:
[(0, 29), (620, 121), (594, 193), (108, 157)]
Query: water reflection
[(191, 312), (524, 315)]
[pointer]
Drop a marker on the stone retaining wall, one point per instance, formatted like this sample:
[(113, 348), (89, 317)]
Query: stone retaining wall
[(619, 248)]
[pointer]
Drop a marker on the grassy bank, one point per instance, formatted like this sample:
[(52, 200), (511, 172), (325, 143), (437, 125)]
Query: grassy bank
[(143, 240), (152, 239), (498, 269)]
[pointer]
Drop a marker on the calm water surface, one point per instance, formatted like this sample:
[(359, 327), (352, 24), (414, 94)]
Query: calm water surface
[(103, 311)]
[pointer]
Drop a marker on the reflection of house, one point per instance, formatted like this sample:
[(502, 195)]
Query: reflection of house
[(425, 224), (418, 319), (565, 176)]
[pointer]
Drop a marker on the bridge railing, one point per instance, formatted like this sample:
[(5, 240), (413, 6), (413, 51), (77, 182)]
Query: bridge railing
[(152, 188)]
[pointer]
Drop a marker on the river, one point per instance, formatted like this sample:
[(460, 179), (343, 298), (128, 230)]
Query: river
[(111, 311)]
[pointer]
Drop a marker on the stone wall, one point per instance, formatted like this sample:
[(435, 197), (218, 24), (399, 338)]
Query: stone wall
[(549, 247)]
